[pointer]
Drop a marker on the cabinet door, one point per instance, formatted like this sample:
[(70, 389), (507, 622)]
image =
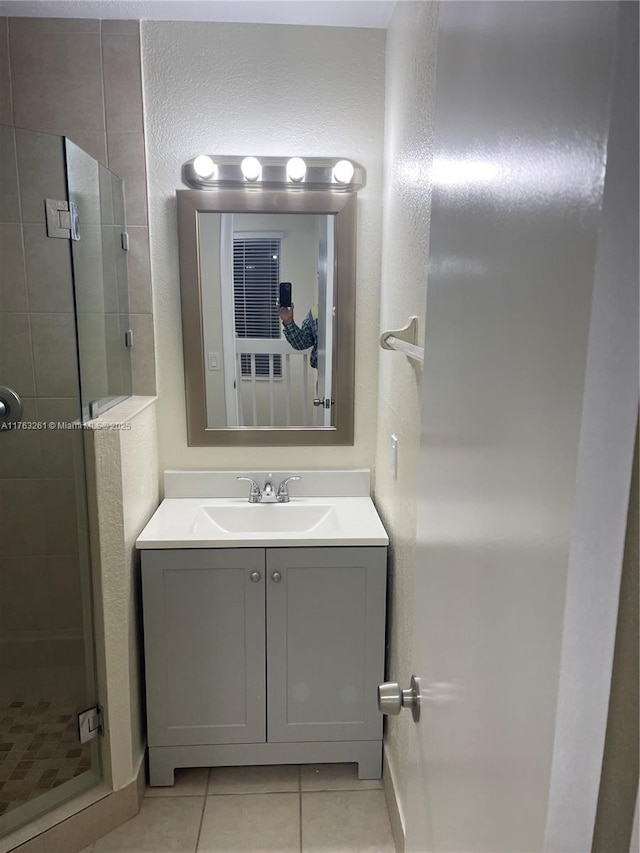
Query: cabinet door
[(204, 646), (325, 643)]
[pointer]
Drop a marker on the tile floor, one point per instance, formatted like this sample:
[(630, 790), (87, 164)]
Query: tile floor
[(39, 749), (288, 809)]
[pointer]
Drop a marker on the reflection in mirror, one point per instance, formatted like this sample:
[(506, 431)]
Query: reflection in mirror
[(255, 372), (265, 366)]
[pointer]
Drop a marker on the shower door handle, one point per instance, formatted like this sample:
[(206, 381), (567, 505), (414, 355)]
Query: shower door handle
[(10, 408)]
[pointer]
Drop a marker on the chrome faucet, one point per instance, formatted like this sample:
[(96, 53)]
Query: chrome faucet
[(255, 495), (282, 495), (268, 494)]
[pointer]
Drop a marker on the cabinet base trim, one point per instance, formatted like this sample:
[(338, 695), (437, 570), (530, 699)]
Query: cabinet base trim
[(163, 760)]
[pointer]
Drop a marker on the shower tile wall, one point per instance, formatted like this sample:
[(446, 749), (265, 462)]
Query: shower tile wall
[(81, 78), (41, 639), (41, 625), (6, 115)]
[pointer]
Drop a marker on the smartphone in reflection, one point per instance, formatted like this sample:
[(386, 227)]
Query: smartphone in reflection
[(285, 294)]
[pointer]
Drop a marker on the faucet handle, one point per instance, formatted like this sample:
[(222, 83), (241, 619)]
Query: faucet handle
[(256, 493), (283, 493)]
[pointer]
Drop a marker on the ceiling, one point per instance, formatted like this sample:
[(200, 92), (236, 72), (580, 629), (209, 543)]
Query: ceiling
[(328, 13)]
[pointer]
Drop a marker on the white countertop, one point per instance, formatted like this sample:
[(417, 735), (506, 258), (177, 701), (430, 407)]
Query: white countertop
[(232, 522)]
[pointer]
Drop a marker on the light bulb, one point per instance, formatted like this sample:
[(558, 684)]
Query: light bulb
[(343, 171), (251, 168), (296, 169), (204, 166)]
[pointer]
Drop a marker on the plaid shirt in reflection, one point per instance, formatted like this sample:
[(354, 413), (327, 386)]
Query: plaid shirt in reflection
[(305, 336)]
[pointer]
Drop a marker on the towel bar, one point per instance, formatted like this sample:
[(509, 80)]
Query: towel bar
[(404, 340)]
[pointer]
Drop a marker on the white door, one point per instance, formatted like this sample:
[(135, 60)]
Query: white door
[(232, 372), (326, 265), (529, 402)]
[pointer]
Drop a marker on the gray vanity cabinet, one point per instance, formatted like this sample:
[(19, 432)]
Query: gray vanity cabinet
[(263, 656), (204, 624), (325, 643)]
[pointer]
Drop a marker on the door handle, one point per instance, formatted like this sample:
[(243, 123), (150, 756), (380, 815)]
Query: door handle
[(391, 699)]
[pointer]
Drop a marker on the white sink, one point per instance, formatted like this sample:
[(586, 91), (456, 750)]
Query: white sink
[(268, 518), (210, 509), (235, 523)]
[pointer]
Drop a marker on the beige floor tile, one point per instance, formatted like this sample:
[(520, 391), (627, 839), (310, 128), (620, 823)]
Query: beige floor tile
[(334, 777), (190, 782), (35, 845), (340, 821), (270, 779), (164, 825), (254, 823), (88, 849)]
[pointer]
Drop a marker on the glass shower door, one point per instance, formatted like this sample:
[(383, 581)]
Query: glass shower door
[(101, 284), (46, 634)]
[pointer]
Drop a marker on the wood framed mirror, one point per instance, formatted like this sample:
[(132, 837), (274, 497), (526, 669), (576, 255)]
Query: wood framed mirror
[(251, 379)]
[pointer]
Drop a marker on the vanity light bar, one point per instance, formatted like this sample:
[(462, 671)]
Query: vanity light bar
[(312, 173)]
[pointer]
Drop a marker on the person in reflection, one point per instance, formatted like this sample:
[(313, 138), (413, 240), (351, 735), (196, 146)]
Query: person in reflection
[(301, 337)]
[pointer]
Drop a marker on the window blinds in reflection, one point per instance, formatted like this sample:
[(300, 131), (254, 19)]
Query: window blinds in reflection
[(256, 275)]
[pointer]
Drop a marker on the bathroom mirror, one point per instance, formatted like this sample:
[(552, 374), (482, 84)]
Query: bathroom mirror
[(251, 380)]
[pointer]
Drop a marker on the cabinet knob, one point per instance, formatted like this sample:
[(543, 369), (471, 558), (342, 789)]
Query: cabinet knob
[(255, 576), (276, 577)]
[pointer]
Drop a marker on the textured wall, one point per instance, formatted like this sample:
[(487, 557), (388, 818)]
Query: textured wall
[(139, 455), (123, 492), (411, 41), (269, 90)]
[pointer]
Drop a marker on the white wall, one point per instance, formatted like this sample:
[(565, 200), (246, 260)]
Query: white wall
[(407, 192), (267, 90), (122, 469)]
